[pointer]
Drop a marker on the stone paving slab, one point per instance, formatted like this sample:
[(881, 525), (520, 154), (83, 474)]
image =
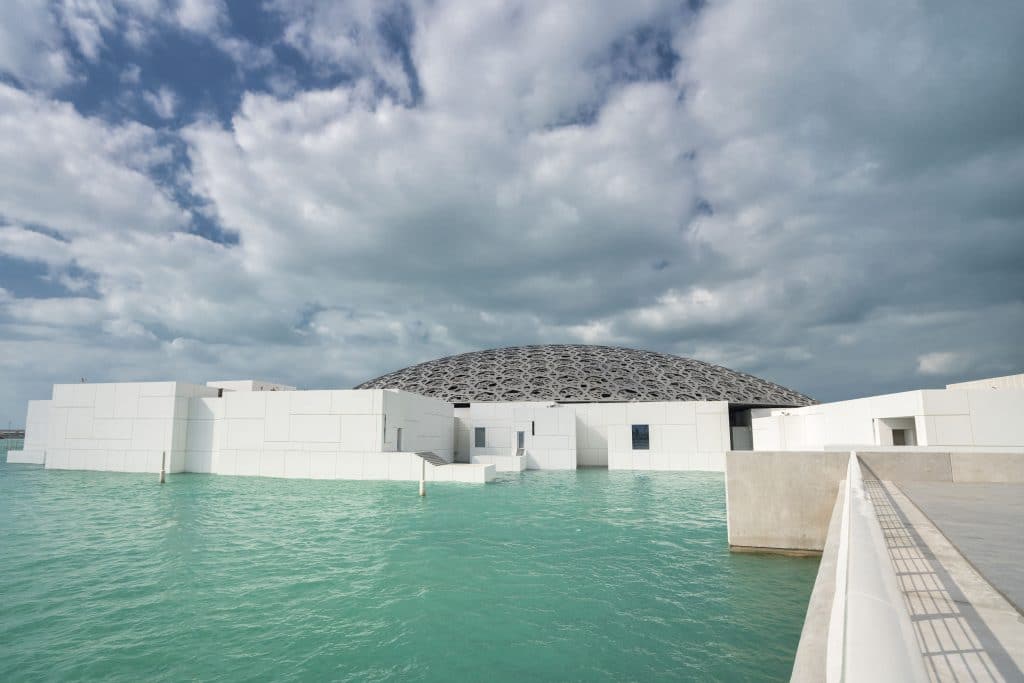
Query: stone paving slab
[(966, 630), (986, 524)]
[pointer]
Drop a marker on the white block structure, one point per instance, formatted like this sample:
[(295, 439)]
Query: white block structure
[(127, 427), (248, 385), (252, 430), (984, 414), (258, 428), (324, 434), (683, 435), (36, 427), (546, 432)]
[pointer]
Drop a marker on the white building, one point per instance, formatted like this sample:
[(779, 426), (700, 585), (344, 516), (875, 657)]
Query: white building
[(983, 415), (568, 406), (538, 407), (254, 429)]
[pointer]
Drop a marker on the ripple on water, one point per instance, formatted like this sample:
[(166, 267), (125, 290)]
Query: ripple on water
[(585, 575)]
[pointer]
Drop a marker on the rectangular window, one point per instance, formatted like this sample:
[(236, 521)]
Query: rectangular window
[(479, 437), (520, 439), (641, 437)]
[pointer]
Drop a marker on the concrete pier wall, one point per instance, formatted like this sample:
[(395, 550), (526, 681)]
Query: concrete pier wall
[(958, 467), (783, 500)]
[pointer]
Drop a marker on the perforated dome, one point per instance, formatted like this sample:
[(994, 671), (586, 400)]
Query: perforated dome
[(578, 373)]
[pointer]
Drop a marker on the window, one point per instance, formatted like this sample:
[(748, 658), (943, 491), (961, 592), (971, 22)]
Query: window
[(641, 437), (479, 437), (520, 439)]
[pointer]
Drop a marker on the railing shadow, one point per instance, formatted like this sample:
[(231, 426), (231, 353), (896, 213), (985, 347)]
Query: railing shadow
[(955, 642)]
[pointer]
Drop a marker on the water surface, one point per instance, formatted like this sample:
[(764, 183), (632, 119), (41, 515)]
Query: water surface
[(587, 575)]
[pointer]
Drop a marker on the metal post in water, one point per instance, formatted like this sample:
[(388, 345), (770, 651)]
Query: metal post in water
[(423, 477), (163, 467)]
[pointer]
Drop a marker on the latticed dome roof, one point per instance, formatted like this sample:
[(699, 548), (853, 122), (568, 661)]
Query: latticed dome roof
[(560, 372)]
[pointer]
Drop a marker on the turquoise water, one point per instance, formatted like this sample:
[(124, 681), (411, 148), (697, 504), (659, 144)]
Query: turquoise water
[(9, 445), (588, 575)]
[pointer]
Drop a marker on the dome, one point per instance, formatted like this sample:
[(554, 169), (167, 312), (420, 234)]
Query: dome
[(580, 373)]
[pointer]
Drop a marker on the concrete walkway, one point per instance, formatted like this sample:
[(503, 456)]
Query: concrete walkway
[(986, 524), (967, 631)]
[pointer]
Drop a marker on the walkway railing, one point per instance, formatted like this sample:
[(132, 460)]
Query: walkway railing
[(870, 636)]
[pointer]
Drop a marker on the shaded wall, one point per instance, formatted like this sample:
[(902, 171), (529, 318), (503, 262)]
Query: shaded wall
[(783, 500)]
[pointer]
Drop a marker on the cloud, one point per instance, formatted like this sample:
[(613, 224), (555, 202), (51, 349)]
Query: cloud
[(348, 38), (163, 101), (31, 45), (818, 197), (49, 45), (131, 74), (537, 63), (32, 246), (78, 175), (86, 22), (940, 363), (201, 16)]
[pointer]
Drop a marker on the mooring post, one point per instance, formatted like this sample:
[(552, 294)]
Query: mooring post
[(163, 467), (423, 477)]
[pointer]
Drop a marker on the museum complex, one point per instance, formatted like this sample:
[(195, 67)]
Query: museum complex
[(551, 407)]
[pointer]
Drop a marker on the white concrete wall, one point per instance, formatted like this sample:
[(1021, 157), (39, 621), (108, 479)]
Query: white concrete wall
[(1004, 382), (973, 417), (308, 434), (684, 435), (125, 427), (550, 434), (286, 433), (591, 433), (943, 417), (37, 421), (426, 423), (323, 434), (811, 427), (461, 435), (248, 385)]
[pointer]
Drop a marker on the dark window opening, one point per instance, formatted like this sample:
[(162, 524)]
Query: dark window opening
[(739, 417), (479, 437), (641, 437)]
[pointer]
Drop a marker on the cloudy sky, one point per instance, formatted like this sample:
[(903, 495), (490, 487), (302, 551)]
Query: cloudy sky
[(826, 194)]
